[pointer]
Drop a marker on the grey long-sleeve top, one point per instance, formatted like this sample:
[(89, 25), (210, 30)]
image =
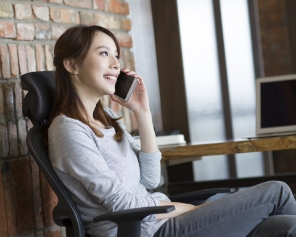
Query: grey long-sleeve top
[(104, 175)]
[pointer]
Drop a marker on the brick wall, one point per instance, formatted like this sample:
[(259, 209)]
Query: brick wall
[(276, 45), (278, 60), (28, 31)]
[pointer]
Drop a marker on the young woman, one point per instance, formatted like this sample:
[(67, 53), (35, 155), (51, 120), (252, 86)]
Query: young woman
[(105, 171)]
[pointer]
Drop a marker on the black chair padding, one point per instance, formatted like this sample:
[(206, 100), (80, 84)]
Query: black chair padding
[(37, 106), (66, 212), (39, 101)]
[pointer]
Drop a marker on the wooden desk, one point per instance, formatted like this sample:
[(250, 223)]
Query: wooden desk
[(228, 147), (190, 152)]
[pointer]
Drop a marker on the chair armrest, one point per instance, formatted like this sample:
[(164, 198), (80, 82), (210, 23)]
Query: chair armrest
[(135, 214), (200, 196), (129, 221)]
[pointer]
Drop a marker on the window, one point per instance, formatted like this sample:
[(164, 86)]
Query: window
[(203, 83)]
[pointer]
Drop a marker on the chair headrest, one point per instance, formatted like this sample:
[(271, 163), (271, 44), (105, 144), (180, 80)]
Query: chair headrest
[(39, 100)]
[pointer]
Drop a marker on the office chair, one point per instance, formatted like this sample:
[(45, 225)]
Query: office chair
[(37, 106)]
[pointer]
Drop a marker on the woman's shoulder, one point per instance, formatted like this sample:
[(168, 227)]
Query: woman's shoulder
[(63, 119), (63, 123), (110, 112), (114, 115)]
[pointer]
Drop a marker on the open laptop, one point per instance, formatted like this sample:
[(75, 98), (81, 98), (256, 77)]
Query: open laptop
[(276, 105)]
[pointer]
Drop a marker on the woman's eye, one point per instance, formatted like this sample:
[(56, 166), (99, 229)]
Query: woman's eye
[(117, 57), (104, 53)]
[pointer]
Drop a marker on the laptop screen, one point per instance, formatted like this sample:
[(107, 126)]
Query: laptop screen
[(276, 104)]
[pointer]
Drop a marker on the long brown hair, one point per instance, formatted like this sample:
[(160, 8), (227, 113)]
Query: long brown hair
[(74, 44)]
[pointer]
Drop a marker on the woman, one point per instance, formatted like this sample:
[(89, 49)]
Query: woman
[(105, 170)]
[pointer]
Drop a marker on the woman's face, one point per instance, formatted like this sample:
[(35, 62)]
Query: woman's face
[(97, 75)]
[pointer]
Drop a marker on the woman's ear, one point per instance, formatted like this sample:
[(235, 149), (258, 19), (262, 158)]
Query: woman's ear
[(70, 66)]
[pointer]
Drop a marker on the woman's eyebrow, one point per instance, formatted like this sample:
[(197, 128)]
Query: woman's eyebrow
[(105, 47)]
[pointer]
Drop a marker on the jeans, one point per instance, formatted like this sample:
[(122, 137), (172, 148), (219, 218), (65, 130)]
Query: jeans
[(267, 209)]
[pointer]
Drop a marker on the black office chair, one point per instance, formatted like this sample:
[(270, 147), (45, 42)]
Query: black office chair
[(37, 106)]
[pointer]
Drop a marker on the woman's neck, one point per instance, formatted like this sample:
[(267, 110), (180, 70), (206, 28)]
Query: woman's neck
[(90, 107)]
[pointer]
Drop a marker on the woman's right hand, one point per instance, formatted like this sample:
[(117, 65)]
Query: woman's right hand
[(180, 209), (139, 101)]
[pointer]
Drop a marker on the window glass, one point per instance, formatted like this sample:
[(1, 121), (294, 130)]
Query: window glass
[(202, 83), (241, 80), (202, 80)]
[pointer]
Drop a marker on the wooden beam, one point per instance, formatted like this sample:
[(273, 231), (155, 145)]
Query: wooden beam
[(170, 66), (291, 17), (171, 76)]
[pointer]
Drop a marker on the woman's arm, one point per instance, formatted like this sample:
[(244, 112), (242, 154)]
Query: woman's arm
[(180, 209), (74, 151), (149, 156), (146, 131), (149, 162), (139, 105)]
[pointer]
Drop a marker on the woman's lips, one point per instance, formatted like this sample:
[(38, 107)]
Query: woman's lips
[(112, 78)]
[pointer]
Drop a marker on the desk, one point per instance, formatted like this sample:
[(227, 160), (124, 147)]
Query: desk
[(228, 147), (190, 152)]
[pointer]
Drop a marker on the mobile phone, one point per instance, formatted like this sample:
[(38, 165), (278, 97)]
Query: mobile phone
[(125, 86)]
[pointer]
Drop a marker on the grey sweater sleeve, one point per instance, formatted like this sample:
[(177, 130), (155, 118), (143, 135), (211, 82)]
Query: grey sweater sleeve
[(73, 150), (149, 164)]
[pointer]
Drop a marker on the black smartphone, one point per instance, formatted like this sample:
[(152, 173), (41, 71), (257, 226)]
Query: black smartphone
[(125, 86)]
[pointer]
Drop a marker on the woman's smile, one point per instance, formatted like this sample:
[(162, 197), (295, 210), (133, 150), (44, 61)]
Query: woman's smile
[(111, 78)]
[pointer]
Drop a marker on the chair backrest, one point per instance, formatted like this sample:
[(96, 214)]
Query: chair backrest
[(37, 106)]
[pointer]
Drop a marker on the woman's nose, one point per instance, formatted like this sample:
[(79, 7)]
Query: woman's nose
[(115, 63)]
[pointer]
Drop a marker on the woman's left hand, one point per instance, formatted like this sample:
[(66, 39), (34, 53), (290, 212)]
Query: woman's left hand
[(139, 100)]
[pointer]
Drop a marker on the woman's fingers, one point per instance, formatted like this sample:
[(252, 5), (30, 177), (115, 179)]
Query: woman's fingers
[(129, 72), (134, 74), (116, 99)]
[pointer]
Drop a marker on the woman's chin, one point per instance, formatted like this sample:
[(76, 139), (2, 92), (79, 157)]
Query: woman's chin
[(112, 92)]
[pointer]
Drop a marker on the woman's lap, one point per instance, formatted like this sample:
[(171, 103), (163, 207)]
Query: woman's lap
[(235, 215)]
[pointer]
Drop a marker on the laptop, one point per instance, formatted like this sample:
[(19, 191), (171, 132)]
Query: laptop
[(276, 105)]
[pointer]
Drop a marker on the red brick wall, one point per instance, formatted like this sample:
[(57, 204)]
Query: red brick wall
[(28, 31), (276, 44)]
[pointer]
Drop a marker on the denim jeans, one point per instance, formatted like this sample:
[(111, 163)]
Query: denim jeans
[(267, 209)]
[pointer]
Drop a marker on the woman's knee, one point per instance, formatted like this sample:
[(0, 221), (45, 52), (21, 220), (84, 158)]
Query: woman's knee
[(277, 191), (277, 185)]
